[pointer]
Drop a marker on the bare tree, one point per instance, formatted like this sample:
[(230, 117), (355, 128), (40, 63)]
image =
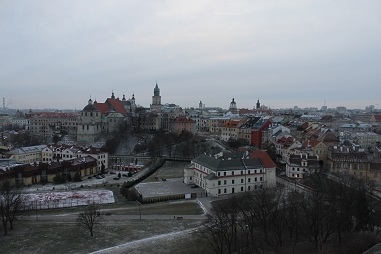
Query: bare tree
[(11, 204), (222, 225), (89, 217)]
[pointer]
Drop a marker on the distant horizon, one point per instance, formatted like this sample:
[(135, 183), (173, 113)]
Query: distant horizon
[(56, 54), (195, 107)]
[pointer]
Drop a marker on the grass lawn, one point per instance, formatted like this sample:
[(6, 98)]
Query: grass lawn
[(64, 236)]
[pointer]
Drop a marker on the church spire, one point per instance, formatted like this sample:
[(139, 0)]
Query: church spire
[(156, 91)]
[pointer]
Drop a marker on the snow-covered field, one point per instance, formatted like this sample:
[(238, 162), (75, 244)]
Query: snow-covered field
[(47, 200)]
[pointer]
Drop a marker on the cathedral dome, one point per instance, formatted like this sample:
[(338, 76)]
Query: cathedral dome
[(89, 106)]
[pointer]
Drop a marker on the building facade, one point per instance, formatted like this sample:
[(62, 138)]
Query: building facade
[(229, 173)]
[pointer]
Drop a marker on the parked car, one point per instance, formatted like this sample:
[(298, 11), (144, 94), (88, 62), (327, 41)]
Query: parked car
[(98, 177), (194, 186), (116, 178), (125, 175)]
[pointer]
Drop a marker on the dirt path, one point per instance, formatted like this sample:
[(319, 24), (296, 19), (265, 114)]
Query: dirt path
[(133, 245)]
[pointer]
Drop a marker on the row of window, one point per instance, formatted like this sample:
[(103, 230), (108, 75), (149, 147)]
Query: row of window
[(242, 180), (242, 189), (255, 171)]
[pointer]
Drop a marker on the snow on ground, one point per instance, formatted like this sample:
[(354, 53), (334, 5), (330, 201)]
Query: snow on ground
[(130, 246), (49, 200)]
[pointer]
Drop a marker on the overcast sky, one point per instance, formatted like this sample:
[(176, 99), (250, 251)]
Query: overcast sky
[(56, 54)]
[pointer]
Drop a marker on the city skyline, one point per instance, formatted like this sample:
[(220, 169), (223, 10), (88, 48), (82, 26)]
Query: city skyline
[(284, 53)]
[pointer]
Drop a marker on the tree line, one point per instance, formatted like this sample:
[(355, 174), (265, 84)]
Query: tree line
[(281, 220)]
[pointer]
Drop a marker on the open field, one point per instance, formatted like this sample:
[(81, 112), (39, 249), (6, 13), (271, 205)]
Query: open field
[(62, 235)]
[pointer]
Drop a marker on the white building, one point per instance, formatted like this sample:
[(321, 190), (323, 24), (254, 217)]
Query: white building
[(298, 166), (65, 152), (28, 154), (231, 173)]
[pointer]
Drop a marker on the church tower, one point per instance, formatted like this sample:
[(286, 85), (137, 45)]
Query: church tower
[(233, 107), (156, 99), (258, 104)]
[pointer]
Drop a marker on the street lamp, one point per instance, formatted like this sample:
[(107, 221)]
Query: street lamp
[(140, 212)]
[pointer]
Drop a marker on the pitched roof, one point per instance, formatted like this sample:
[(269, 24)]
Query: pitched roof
[(229, 164), (117, 105), (264, 157), (103, 107), (111, 104), (231, 124), (52, 115)]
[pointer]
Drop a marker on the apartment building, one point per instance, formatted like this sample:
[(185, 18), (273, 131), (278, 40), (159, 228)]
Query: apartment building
[(28, 154), (349, 160), (50, 123), (28, 174), (65, 152), (183, 123), (366, 139)]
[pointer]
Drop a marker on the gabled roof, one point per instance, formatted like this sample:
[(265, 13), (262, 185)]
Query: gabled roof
[(117, 105), (109, 105), (264, 157), (103, 107)]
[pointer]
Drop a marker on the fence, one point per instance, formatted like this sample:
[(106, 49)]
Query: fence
[(38, 201)]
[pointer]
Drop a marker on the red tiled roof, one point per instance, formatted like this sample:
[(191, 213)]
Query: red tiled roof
[(311, 143), (117, 105), (52, 115), (230, 124), (243, 111), (103, 107), (183, 119), (264, 157)]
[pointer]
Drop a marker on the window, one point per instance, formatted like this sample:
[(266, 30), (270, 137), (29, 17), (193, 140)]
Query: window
[(241, 188), (232, 190), (225, 182), (260, 179), (232, 173), (224, 190), (219, 191), (224, 173), (241, 180), (219, 182), (249, 179), (232, 181)]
